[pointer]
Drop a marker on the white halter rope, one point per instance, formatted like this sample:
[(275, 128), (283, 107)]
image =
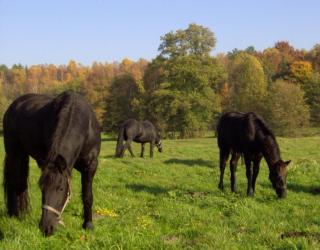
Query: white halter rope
[(55, 211)]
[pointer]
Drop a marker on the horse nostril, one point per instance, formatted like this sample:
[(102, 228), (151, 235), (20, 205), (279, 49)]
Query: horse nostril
[(48, 231)]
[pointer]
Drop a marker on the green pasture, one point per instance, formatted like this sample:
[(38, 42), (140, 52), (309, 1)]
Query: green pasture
[(172, 202)]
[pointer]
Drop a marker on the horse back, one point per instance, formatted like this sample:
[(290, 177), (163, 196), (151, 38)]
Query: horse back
[(237, 131), (149, 132)]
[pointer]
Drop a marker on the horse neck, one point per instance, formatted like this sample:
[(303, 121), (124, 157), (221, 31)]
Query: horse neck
[(270, 149), (62, 128)]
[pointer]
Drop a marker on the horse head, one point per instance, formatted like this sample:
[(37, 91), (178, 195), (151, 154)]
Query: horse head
[(158, 143), (278, 177), (55, 188)]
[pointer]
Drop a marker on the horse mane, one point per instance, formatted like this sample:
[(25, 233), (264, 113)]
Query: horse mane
[(263, 126), (64, 105), (268, 136)]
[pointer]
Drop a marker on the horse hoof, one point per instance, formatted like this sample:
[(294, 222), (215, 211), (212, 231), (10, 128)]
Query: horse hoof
[(250, 193), (88, 225)]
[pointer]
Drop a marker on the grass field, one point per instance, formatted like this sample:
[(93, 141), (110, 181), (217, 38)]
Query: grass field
[(172, 202)]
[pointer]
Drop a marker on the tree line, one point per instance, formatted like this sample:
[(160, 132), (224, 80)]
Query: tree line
[(184, 90)]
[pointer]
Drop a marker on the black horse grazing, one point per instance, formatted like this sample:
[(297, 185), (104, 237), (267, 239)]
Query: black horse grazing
[(247, 134), (58, 133), (142, 132)]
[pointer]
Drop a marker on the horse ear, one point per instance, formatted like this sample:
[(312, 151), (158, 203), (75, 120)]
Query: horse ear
[(60, 163), (287, 162)]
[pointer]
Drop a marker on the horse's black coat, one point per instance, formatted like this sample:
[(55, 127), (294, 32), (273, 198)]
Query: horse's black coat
[(247, 134), (141, 132), (58, 133)]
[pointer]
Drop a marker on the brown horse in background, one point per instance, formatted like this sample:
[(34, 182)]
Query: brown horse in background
[(247, 134)]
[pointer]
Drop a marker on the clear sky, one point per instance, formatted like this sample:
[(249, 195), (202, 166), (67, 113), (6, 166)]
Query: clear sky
[(43, 31)]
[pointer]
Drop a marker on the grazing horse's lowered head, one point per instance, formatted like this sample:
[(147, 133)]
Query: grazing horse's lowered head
[(158, 143), (248, 134), (140, 132), (278, 177), (55, 187)]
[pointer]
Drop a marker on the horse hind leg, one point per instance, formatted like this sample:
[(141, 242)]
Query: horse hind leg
[(224, 155), (151, 149), (233, 168), (16, 171), (247, 161), (128, 146)]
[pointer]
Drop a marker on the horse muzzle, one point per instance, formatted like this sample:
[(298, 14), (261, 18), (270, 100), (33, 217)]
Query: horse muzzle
[(48, 224), (281, 193)]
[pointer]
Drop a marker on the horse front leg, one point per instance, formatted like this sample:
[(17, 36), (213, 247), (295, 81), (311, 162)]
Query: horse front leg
[(151, 149), (87, 175), (256, 168)]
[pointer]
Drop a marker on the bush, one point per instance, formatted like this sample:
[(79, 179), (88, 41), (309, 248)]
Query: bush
[(286, 108)]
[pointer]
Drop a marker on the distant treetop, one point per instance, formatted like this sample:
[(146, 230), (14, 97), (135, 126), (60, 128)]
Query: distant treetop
[(195, 40)]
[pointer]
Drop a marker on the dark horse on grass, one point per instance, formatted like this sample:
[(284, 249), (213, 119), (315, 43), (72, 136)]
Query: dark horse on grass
[(247, 134), (141, 132), (59, 133)]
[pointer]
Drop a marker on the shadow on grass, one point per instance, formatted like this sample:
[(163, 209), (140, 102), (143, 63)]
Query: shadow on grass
[(156, 190), (191, 162), (110, 157), (298, 188)]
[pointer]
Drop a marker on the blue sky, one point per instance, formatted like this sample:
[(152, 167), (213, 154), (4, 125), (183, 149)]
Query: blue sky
[(43, 31)]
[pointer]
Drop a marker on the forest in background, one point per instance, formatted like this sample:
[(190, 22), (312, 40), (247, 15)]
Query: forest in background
[(185, 89)]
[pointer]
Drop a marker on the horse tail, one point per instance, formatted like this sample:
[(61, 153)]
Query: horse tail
[(64, 107), (120, 141), (15, 171), (15, 183)]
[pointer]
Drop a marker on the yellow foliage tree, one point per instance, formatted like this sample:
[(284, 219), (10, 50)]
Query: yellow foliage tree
[(301, 71)]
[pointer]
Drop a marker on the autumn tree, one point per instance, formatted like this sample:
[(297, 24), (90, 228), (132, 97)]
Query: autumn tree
[(248, 83), (288, 55), (301, 71), (123, 101), (270, 59), (314, 57)]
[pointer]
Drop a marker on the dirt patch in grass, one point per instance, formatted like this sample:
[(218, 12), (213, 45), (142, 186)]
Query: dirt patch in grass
[(170, 239), (293, 234)]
